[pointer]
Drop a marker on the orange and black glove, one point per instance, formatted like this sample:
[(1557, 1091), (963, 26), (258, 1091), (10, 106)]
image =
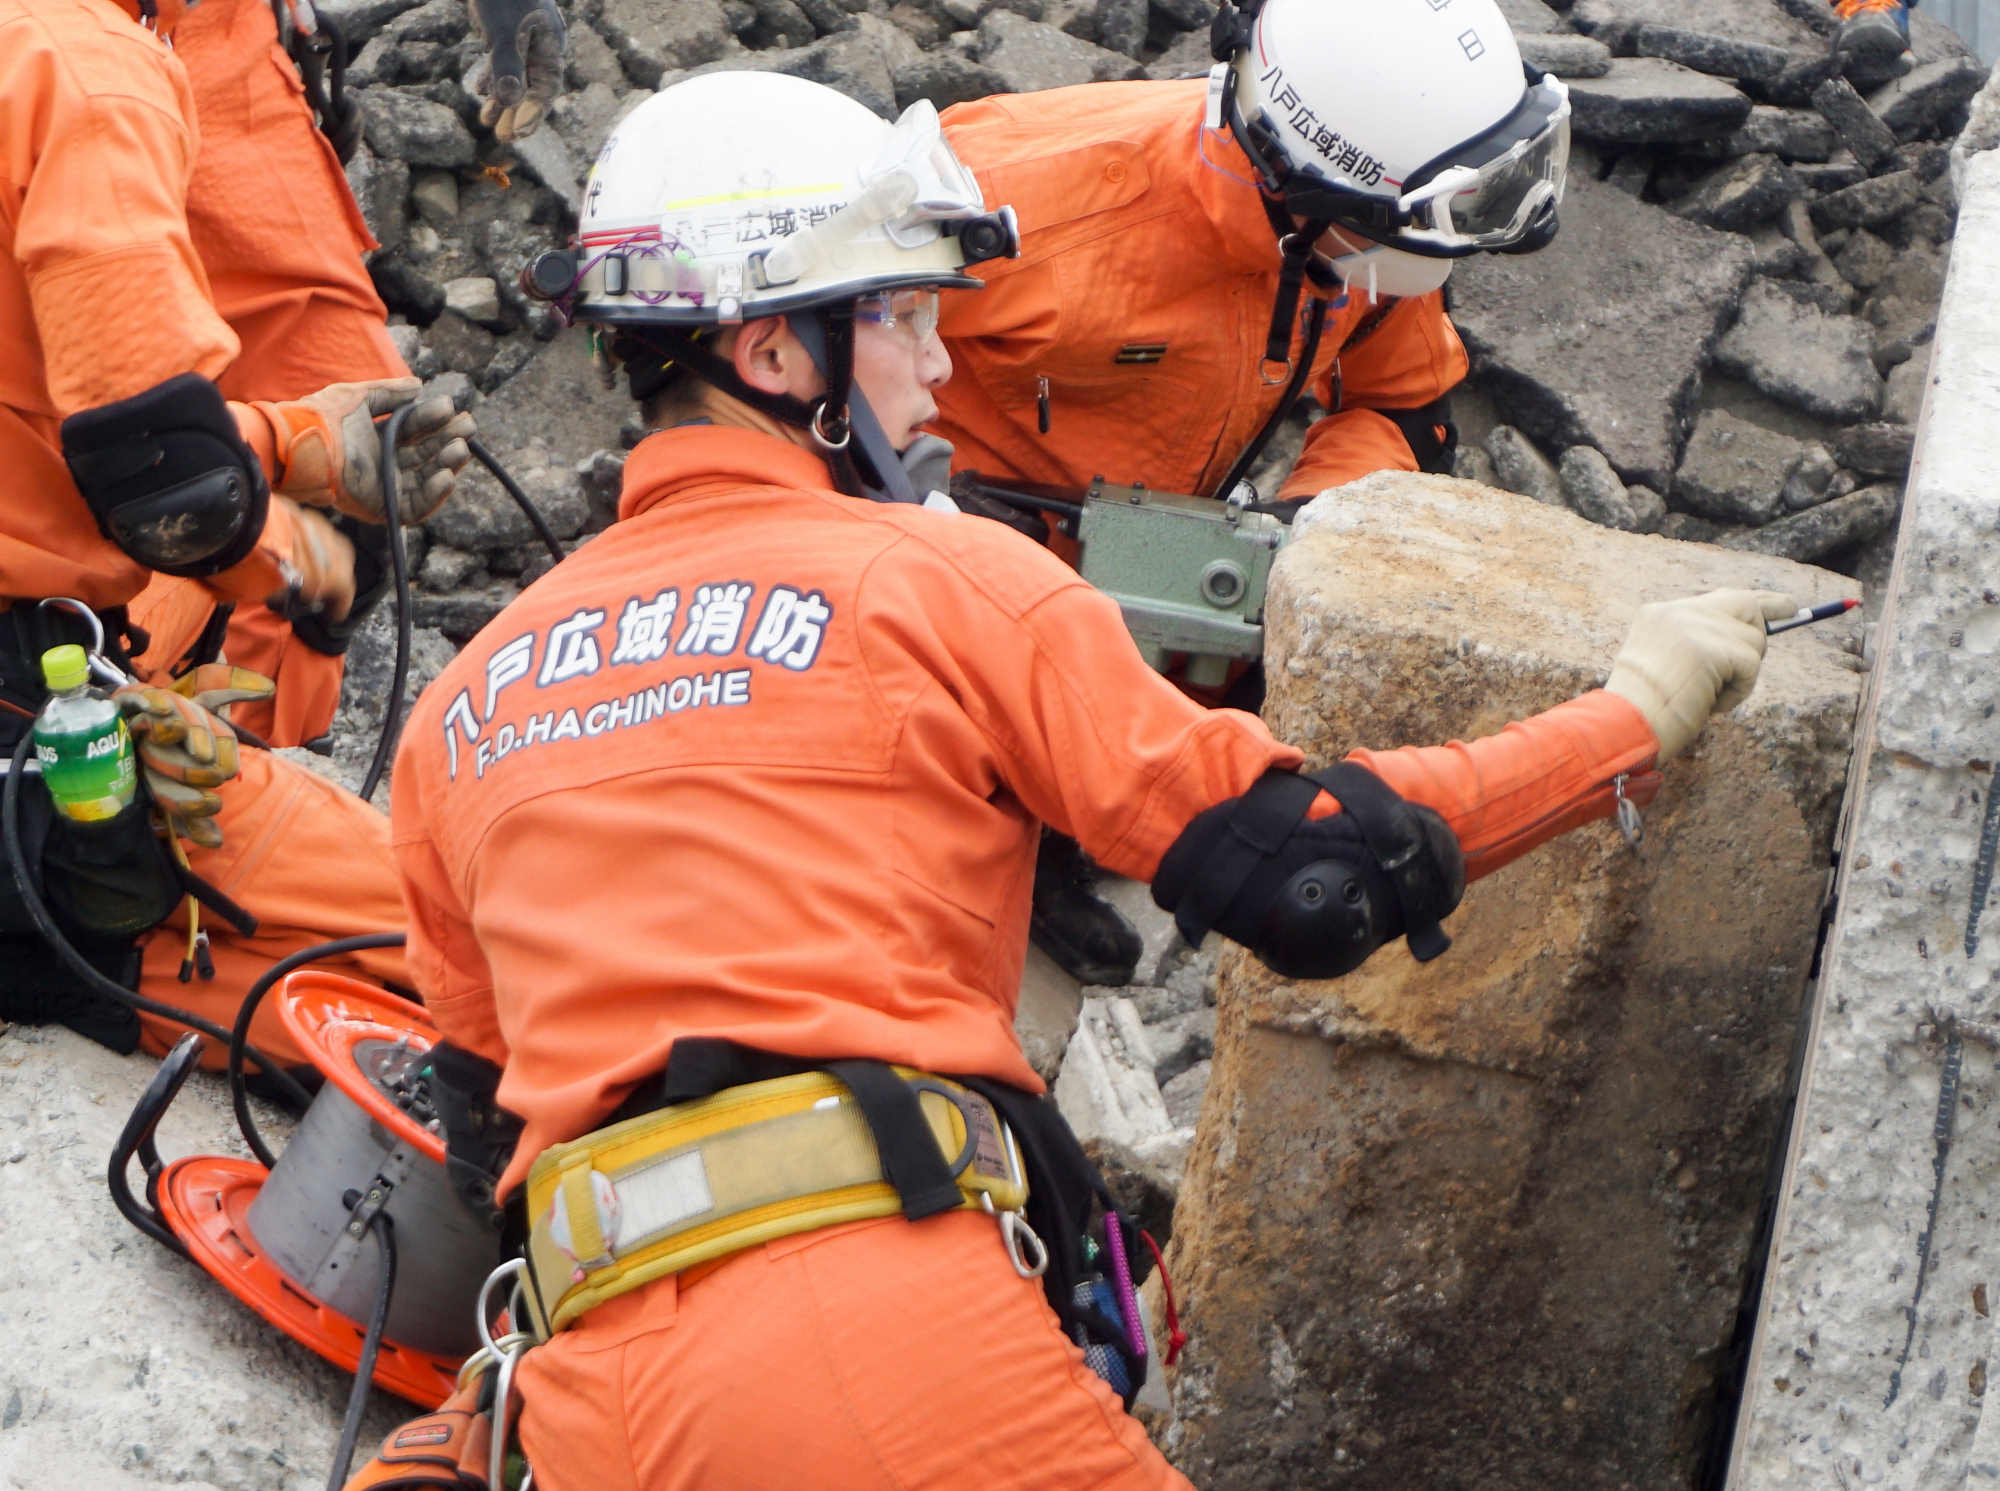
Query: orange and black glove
[(186, 748), (329, 451), (319, 571)]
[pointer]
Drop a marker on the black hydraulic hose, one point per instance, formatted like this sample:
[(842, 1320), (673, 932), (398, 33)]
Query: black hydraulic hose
[(399, 574), (239, 1037), (513, 489), (371, 1342), (17, 864), (399, 570)]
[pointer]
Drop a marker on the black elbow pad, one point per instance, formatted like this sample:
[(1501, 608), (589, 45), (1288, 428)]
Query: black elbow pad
[(168, 477), (1313, 898)]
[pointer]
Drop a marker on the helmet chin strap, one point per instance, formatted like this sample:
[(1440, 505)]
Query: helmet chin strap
[(876, 461), (856, 448)]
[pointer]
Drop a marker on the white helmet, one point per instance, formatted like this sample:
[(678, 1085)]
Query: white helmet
[(1412, 122), (742, 194), (738, 195)]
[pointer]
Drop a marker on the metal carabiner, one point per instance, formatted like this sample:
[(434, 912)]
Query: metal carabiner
[(1630, 824), (101, 667), (1018, 1237), (505, 1353)]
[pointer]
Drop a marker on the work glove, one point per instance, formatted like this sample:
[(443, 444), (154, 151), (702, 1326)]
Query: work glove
[(330, 452), (1686, 659), (522, 71), (320, 571), (186, 749)]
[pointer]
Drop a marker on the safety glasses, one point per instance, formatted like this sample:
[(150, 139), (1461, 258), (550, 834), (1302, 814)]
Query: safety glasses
[(914, 313)]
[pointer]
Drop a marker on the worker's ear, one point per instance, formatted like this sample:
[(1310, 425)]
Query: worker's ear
[(769, 357)]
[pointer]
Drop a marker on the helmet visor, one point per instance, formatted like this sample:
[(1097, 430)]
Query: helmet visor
[(1488, 192)]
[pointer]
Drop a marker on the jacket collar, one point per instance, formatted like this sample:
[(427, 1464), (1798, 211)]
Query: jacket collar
[(692, 459), (1224, 184)]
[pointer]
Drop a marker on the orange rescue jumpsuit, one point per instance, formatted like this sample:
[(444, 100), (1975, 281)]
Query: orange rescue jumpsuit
[(768, 763), (275, 225), (102, 295), (1143, 296)]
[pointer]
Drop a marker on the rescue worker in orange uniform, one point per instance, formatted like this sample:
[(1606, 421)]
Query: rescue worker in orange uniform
[(126, 462), (787, 751), (276, 227), (1196, 254)]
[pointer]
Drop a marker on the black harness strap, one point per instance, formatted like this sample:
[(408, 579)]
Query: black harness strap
[(910, 1159), (700, 1066)]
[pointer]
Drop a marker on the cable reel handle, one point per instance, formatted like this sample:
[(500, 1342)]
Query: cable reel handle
[(137, 1138)]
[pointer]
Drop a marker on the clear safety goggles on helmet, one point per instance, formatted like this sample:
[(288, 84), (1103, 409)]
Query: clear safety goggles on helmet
[(915, 191), (1490, 192)]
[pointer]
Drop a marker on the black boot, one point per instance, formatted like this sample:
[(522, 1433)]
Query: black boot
[(1086, 935)]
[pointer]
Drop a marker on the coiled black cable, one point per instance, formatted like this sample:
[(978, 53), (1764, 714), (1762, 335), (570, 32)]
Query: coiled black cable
[(239, 1037)]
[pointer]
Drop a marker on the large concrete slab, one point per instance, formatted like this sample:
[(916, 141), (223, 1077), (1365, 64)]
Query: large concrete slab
[(1485, 1222), (1599, 339), (1875, 1338)]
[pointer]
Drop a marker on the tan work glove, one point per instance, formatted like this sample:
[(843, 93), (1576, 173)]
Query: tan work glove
[(330, 451), (522, 71), (1684, 660), (186, 749), (320, 569)]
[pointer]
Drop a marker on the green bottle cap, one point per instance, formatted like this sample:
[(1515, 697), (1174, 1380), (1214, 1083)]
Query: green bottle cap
[(65, 667)]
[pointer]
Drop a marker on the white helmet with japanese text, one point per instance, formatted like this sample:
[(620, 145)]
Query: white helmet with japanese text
[(740, 195), (1412, 123)]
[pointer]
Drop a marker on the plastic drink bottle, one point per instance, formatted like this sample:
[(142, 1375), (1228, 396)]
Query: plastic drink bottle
[(81, 742)]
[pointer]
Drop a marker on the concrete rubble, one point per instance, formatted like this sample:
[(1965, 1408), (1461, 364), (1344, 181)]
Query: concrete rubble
[(1721, 174)]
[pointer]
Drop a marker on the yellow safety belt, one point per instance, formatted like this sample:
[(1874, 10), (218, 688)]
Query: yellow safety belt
[(656, 1194)]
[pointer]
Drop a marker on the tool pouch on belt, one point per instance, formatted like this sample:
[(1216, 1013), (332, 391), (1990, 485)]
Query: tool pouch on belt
[(1089, 1282)]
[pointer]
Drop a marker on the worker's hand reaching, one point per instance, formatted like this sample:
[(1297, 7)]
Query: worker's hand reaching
[(1684, 660), (329, 448)]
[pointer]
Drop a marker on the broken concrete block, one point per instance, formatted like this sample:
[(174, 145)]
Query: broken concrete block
[(1107, 1090), (1787, 343), (1484, 1221), (1613, 357)]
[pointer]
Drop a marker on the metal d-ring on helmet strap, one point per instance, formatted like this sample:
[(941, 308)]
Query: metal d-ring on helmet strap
[(830, 343)]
